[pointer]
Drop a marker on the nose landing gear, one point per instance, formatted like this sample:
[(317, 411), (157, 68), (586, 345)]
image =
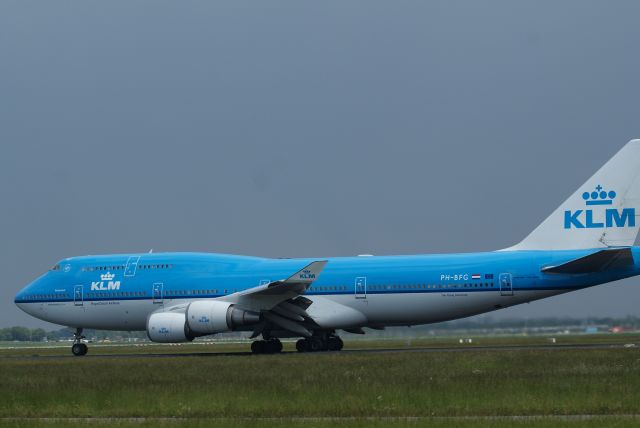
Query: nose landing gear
[(78, 349)]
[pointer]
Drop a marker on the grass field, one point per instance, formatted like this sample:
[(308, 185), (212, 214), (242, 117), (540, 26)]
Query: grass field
[(477, 387)]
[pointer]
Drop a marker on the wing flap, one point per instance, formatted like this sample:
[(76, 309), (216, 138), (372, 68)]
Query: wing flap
[(287, 324)]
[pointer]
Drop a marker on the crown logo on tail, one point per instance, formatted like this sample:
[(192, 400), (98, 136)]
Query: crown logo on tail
[(599, 196)]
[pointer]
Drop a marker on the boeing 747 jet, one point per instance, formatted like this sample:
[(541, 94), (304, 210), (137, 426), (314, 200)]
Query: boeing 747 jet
[(177, 297)]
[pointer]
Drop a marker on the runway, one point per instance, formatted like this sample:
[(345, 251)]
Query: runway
[(364, 351)]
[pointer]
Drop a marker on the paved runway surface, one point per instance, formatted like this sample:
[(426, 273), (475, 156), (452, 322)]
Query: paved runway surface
[(497, 348)]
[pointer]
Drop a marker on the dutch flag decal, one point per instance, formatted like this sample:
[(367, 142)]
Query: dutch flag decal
[(476, 276)]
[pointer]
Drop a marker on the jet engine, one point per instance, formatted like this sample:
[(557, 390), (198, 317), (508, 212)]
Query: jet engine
[(168, 327), (214, 316)]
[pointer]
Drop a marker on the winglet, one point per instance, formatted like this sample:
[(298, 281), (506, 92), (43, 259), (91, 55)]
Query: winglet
[(307, 274), (265, 297)]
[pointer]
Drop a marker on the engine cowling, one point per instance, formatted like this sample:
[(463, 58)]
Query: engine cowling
[(168, 327), (214, 316)]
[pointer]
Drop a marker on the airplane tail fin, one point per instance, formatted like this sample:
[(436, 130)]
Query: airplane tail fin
[(602, 213)]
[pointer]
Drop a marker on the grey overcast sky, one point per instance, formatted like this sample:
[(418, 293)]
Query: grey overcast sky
[(305, 128)]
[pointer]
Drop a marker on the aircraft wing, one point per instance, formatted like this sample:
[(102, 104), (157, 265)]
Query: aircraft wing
[(284, 308), (265, 297)]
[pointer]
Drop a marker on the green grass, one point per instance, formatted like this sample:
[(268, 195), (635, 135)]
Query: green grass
[(617, 422), (475, 385)]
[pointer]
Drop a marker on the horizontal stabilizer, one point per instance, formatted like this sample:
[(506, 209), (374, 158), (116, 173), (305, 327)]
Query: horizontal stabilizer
[(600, 261)]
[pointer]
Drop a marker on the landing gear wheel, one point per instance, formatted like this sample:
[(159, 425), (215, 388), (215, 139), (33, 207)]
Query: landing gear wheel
[(319, 343), (316, 345), (276, 346), (302, 345), (334, 344), (257, 347), (273, 346), (79, 349)]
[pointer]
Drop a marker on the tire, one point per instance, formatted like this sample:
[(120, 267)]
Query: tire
[(277, 346), (257, 347), (270, 347), (334, 344), (79, 349), (316, 345), (301, 345)]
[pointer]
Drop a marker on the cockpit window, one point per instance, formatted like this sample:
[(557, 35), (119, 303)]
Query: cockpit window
[(56, 267)]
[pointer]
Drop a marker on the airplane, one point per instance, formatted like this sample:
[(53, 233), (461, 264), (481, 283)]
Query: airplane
[(177, 297)]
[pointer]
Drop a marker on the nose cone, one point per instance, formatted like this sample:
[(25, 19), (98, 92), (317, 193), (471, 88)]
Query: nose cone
[(22, 299), (22, 294)]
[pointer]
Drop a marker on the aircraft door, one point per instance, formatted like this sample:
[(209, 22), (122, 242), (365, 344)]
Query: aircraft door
[(506, 284), (78, 299), (132, 266), (361, 287), (157, 292)]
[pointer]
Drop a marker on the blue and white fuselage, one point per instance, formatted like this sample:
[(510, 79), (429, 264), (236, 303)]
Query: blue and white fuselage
[(97, 292), (176, 297)]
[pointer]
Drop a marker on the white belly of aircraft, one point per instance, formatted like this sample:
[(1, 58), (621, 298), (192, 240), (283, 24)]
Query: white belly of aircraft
[(378, 309)]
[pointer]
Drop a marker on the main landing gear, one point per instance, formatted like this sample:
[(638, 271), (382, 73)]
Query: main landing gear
[(322, 342), (272, 346), (78, 349), (319, 343)]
